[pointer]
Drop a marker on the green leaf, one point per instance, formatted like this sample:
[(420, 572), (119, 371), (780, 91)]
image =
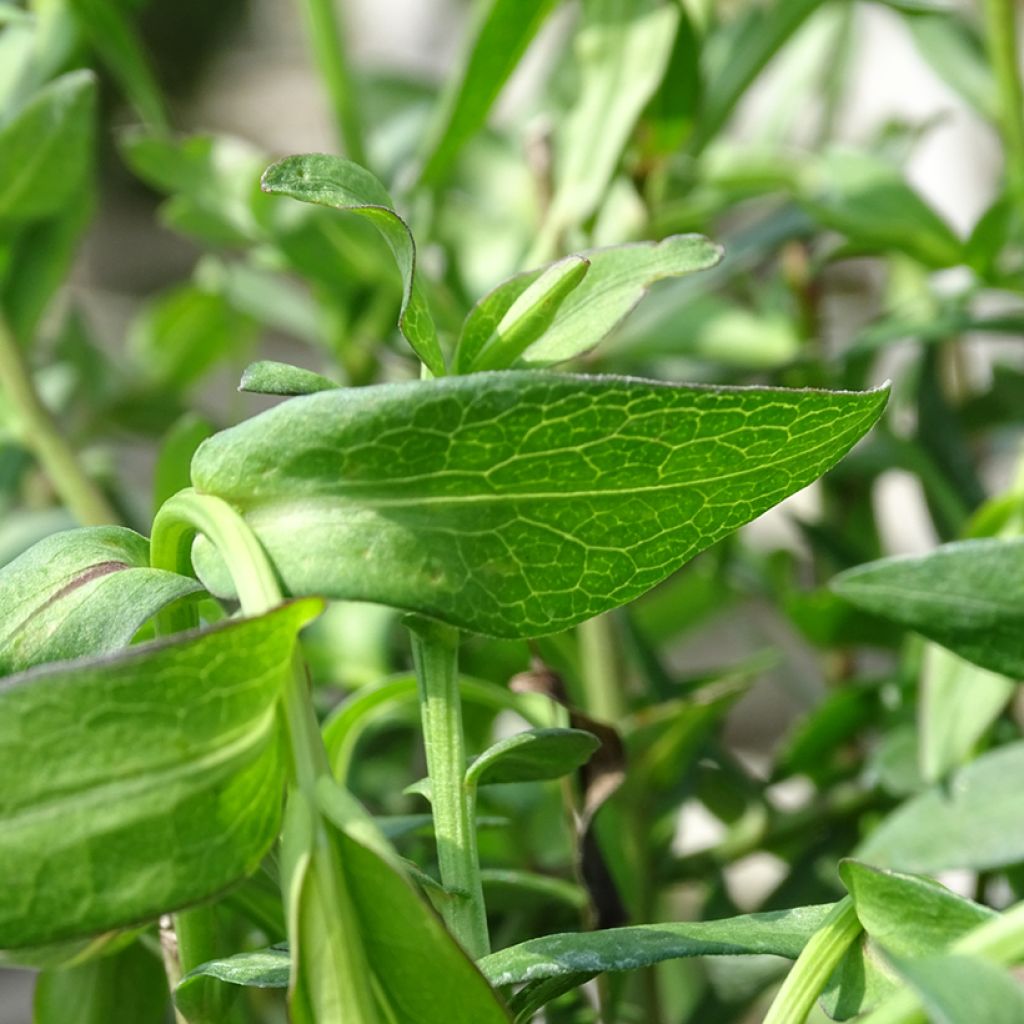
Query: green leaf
[(46, 149), (177, 447), (499, 37), (670, 115), (964, 990), (117, 43), (142, 782), (261, 968), (617, 279), (975, 821), (967, 596), (867, 200), (515, 504), (908, 915), (343, 185), (622, 49), (587, 954), (267, 377), (533, 756), (128, 986), (78, 593), (958, 703)]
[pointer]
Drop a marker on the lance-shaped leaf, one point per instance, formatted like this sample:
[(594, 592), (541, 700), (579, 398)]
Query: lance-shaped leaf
[(142, 782), (500, 35), (80, 592), (515, 504), (967, 596), (343, 185), (46, 148), (533, 756), (617, 279), (268, 377)]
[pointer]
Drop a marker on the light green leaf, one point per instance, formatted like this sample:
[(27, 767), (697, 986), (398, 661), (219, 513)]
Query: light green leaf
[(533, 756), (500, 35), (46, 149), (967, 596), (908, 915), (964, 990), (622, 48), (128, 987), (78, 593), (618, 278), (261, 968), (267, 377), (959, 702), (515, 504), (587, 954), (142, 782), (867, 200), (118, 45), (975, 821), (531, 315), (343, 185)]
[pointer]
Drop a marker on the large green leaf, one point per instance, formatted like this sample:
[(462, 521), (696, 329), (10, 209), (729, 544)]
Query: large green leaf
[(46, 149), (141, 782), (975, 821), (617, 279), (501, 33), (515, 504), (343, 185), (78, 593), (964, 990), (967, 596)]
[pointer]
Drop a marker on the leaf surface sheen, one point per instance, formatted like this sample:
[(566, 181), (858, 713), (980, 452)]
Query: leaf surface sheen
[(515, 504), (142, 782)]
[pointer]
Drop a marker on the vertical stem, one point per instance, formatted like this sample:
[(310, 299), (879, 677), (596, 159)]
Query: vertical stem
[(327, 36), (599, 662), (435, 652), (815, 965), (39, 433), (1001, 33)]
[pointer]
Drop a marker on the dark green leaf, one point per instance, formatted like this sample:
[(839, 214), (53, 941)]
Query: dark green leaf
[(617, 279), (141, 782), (670, 115), (533, 756), (500, 35), (46, 149), (128, 987), (271, 378), (80, 592), (967, 596), (343, 185), (516, 504), (976, 821)]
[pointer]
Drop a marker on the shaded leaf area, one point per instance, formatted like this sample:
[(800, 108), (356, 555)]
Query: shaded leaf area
[(141, 782), (967, 596), (343, 185), (515, 504), (616, 278), (964, 989), (974, 821), (533, 756), (78, 593)]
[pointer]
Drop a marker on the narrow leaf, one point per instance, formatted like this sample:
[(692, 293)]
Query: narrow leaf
[(967, 596), (142, 782), (533, 756), (267, 377), (515, 504), (343, 185), (80, 592)]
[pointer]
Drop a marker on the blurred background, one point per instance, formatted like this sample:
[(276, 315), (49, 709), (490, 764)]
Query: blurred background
[(855, 175)]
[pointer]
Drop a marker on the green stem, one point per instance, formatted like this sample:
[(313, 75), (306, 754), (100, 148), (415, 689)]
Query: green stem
[(39, 433), (327, 36), (435, 652), (599, 664), (814, 966), (1001, 32), (174, 529)]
